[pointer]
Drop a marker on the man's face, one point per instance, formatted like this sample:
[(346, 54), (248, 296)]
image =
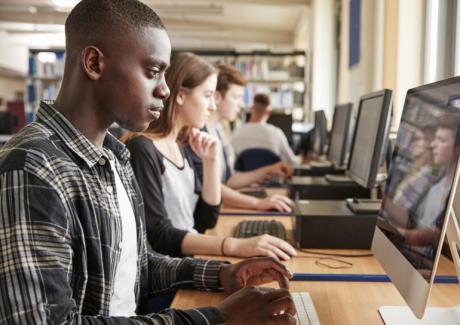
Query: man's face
[(443, 147), (132, 86), (230, 105)]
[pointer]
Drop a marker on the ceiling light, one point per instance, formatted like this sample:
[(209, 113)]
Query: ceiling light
[(65, 4)]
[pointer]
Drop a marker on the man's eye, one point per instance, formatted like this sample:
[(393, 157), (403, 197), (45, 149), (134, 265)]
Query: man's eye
[(153, 73)]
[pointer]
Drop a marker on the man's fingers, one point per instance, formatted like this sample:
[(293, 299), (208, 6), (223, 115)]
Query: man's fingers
[(282, 280), (283, 319), (283, 304), (266, 263)]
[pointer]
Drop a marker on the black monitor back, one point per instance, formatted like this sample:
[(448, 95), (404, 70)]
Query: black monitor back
[(340, 134), (370, 137), (284, 122)]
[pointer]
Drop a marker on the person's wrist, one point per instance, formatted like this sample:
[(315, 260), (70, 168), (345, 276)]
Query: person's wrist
[(224, 275), (255, 202), (229, 246)]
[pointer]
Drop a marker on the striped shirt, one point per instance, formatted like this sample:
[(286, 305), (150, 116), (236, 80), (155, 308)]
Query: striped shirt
[(60, 233)]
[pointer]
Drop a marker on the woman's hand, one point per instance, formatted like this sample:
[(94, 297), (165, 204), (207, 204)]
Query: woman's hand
[(264, 245), (275, 202), (203, 144)]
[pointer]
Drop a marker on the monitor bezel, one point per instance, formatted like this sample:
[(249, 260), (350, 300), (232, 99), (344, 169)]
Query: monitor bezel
[(345, 139), (408, 281), (382, 137)]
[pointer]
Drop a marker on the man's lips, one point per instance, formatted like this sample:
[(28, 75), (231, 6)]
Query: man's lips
[(155, 111)]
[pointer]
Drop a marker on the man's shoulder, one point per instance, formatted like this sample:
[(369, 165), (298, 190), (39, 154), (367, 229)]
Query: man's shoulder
[(33, 143)]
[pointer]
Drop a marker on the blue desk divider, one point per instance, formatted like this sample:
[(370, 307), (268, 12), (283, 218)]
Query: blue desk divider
[(361, 277)]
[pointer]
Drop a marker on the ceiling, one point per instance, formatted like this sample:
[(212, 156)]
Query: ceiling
[(212, 24)]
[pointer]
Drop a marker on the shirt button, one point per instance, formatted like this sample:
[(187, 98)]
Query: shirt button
[(120, 245), (102, 161), (109, 189)]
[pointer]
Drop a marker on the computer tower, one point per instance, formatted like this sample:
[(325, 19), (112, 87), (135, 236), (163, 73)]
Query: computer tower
[(318, 188), (331, 224)]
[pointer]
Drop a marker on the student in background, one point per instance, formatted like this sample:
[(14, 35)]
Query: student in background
[(177, 205), (229, 101), (73, 248), (258, 134)]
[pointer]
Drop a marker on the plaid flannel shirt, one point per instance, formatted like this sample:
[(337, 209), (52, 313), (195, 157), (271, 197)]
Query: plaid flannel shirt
[(60, 233)]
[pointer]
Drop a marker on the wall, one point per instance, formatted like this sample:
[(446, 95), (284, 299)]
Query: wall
[(392, 47), (324, 57), (363, 77)]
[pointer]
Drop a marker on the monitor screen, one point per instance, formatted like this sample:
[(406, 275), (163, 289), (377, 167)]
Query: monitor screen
[(319, 133), (284, 122), (371, 133), (338, 146), (408, 236)]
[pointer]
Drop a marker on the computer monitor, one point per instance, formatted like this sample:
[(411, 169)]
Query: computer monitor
[(370, 137), (420, 200), (284, 122), (340, 134), (319, 133)]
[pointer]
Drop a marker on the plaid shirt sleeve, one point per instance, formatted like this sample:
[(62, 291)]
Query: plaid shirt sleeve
[(37, 260)]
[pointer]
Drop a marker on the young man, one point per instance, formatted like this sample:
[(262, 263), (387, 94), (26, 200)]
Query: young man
[(258, 134), (72, 234)]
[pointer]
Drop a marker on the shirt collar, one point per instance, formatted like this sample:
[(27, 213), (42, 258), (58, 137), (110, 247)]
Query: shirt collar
[(75, 140)]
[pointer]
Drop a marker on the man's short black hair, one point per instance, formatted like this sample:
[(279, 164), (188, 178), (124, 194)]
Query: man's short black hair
[(90, 20)]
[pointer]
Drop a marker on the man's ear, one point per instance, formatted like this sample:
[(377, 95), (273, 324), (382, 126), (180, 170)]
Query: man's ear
[(92, 61)]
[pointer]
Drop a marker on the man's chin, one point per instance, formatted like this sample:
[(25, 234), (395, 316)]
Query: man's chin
[(135, 127)]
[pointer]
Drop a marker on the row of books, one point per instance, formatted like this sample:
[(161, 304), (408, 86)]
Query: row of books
[(51, 67), (262, 70), (37, 91), (279, 98)]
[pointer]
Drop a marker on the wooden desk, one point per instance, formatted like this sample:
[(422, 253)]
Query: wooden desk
[(335, 302)]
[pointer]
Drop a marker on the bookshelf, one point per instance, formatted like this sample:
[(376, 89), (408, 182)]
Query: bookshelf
[(46, 68), (281, 75)]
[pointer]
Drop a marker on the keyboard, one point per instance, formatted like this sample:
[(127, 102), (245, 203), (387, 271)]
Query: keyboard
[(252, 228), (306, 312)]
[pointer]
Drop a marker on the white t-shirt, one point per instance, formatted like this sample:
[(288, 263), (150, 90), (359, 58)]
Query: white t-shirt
[(263, 136), (123, 301), (179, 194), (434, 203)]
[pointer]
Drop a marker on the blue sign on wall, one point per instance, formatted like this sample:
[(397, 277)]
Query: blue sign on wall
[(354, 32)]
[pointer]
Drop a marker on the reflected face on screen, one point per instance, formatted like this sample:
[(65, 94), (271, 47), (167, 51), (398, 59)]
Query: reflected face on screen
[(420, 180), (443, 147)]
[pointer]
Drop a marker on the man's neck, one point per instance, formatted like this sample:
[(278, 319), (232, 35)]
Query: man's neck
[(82, 114)]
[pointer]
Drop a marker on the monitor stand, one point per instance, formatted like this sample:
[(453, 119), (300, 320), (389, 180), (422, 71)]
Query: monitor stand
[(396, 315)]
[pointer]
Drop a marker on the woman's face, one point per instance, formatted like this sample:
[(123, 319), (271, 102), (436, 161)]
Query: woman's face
[(443, 147), (419, 145), (198, 103)]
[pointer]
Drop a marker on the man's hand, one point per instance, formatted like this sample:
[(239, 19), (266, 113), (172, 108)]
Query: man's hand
[(275, 202), (203, 144), (279, 169), (254, 306), (254, 271)]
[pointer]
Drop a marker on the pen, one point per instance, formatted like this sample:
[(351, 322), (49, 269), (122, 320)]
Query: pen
[(361, 277)]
